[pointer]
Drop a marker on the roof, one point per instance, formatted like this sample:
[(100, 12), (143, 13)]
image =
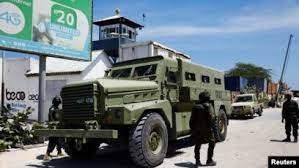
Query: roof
[(116, 19), (59, 66)]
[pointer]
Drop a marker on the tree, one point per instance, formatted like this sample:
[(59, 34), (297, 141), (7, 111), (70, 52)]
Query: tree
[(250, 71)]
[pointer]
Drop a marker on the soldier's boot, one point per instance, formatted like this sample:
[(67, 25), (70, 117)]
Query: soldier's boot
[(198, 163), (295, 139), (288, 139), (210, 161), (47, 157)]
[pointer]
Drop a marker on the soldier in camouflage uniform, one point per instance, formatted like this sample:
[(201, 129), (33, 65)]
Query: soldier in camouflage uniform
[(202, 123), (54, 141), (290, 113)]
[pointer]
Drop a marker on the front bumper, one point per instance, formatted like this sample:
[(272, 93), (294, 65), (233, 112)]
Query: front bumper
[(241, 112), (77, 133)]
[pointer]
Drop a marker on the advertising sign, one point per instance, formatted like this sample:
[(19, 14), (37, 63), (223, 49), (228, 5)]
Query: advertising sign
[(58, 28)]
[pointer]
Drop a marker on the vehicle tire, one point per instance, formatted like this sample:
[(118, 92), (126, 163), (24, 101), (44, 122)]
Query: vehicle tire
[(222, 125), (87, 150), (148, 142)]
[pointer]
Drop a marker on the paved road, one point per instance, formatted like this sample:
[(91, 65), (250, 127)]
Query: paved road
[(248, 144)]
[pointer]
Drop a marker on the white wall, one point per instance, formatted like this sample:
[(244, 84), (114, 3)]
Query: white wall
[(146, 49), (134, 52), (16, 87)]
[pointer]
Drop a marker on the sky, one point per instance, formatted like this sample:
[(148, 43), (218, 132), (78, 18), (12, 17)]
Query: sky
[(219, 33)]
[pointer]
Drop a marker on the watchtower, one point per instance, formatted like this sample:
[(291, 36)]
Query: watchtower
[(115, 31)]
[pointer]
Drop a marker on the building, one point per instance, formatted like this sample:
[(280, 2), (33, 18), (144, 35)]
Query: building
[(148, 49)]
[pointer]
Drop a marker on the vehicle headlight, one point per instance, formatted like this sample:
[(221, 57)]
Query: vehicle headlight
[(116, 112)]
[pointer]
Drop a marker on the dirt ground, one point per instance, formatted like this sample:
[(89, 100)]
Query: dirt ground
[(248, 144)]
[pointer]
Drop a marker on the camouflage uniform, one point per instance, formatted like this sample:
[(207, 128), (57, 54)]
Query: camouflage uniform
[(54, 116), (201, 123), (290, 113)]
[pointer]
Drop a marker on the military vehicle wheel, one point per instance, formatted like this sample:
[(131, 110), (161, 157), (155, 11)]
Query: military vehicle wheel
[(222, 125), (79, 150), (149, 141)]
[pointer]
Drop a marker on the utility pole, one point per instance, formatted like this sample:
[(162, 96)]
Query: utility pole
[(280, 87), (2, 80), (42, 88)]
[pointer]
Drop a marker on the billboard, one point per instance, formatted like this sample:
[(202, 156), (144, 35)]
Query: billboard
[(58, 28)]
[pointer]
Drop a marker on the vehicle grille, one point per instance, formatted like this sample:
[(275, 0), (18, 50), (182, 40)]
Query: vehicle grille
[(74, 104)]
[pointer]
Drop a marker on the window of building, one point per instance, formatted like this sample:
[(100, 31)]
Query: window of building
[(112, 30), (190, 76), (130, 34), (217, 81), (124, 30), (205, 79)]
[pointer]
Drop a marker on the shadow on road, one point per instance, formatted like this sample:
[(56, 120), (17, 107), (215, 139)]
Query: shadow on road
[(185, 164), (276, 140), (242, 118), (117, 159)]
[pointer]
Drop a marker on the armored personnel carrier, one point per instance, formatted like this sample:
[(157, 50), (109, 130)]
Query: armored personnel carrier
[(144, 104)]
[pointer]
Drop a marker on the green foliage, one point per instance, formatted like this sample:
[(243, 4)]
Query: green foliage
[(15, 131), (248, 90), (249, 71)]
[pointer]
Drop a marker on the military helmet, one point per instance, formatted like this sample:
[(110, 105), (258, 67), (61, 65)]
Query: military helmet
[(204, 96)]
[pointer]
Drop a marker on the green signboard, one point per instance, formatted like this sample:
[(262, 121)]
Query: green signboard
[(58, 28)]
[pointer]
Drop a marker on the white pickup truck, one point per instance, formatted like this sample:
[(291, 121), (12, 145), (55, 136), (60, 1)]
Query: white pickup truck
[(246, 105)]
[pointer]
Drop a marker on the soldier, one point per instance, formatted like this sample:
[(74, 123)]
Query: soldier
[(290, 113), (54, 141), (202, 123)]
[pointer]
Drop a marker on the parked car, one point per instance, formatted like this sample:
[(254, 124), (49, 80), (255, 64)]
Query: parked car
[(246, 105)]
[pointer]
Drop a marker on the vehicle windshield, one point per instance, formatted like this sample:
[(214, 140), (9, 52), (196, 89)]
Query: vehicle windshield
[(121, 73), (296, 93), (139, 72), (244, 99), (146, 70)]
